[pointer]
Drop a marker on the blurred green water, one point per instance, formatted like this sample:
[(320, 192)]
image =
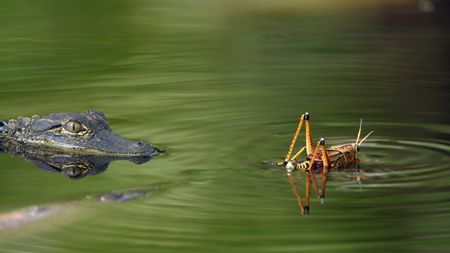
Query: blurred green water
[(221, 87)]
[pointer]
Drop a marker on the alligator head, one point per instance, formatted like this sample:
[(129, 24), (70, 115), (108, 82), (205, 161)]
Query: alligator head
[(75, 133)]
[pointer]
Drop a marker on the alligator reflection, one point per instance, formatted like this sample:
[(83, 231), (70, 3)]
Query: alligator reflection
[(72, 166)]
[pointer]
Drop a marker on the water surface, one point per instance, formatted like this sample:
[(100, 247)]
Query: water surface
[(221, 87)]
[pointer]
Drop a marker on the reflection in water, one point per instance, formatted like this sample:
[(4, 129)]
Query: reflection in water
[(38, 212), (30, 214), (121, 196), (72, 166), (312, 176), (319, 189)]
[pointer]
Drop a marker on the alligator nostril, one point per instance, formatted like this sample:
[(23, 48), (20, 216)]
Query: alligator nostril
[(142, 145), (143, 148)]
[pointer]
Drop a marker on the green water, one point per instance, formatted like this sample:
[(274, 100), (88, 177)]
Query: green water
[(221, 85)]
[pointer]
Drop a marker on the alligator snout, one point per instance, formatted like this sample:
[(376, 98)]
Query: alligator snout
[(143, 147)]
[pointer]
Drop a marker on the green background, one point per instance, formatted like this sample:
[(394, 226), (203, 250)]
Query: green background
[(221, 85)]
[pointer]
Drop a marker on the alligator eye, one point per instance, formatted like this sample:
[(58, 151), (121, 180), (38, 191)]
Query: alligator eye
[(75, 171), (73, 127)]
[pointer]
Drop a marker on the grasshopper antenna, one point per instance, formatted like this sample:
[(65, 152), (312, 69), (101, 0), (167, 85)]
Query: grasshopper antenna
[(365, 138), (359, 132)]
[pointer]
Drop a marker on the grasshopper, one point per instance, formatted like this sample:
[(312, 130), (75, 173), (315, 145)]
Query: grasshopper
[(318, 157)]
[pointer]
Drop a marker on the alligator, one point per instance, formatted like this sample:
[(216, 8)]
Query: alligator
[(76, 145), (86, 133)]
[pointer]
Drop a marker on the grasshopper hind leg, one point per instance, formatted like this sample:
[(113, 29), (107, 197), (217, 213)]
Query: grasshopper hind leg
[(294, 139)]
